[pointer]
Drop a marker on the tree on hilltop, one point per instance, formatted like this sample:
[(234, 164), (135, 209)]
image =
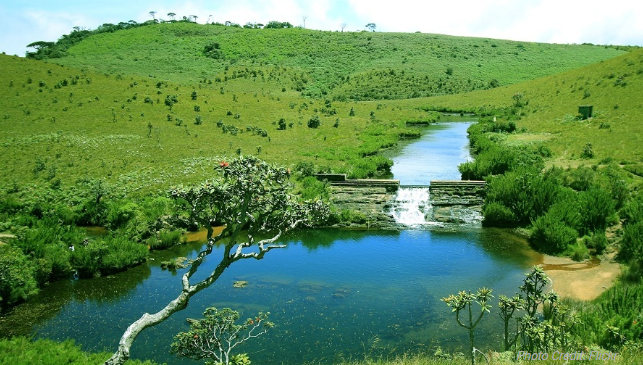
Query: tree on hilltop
[(371, 26), (249, 198)]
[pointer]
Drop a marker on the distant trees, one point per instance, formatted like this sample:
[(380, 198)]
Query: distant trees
[(343, 26), (171, 16), (153, 14), (371, 26), (273, 24), (213, 50)]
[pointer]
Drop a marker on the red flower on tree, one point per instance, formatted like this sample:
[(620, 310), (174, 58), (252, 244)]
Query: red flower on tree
[(223, 164)]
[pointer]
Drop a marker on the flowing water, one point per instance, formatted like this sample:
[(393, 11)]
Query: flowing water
[(333, 294), (435, 156)]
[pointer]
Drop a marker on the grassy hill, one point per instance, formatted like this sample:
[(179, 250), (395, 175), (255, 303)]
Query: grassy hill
[(144, 108), (340, 65), (613, 87)]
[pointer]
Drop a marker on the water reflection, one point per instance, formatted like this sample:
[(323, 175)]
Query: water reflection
[(331, 293), (53, 298)]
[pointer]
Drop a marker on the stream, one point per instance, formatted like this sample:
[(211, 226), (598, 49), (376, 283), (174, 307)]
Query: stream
[(333, 294)]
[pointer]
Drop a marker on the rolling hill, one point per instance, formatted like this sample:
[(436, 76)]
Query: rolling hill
[(145, 108)]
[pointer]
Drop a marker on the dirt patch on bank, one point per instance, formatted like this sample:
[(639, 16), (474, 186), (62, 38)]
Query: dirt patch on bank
[(581, 280)]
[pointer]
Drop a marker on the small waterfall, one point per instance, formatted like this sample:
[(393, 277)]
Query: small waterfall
[(411, 206)]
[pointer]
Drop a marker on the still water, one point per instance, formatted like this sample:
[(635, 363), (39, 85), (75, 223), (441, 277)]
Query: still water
[(333, 294)]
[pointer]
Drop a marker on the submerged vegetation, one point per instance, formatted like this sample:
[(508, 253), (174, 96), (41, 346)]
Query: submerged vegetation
[(98, 126)]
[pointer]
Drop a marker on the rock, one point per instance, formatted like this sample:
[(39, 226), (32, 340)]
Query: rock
[(240, 284)]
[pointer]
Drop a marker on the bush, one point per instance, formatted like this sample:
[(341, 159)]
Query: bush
[(305, 168), (312, 188), (552, 236), (632, 243), (17, 276), (579, 251), (165, 238), (527, 193), (597, 241), (596, 207), (497, 215), (632, 211), (120, 213), (113, 254), (314, 122)]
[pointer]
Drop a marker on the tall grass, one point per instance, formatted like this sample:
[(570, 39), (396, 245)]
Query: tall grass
[(23, 351)]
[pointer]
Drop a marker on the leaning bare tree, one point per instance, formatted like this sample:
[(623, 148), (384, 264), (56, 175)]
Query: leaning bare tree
[(251, 198)]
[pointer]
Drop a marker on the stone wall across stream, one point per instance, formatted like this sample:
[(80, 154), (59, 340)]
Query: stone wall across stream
[(452, 201)]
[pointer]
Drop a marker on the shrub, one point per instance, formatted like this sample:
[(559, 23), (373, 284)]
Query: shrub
[(165, 238), (497, 215), (597, 241), (632, 211), (588, 151), (596, 207), (528, 194), (578, 251), (632, 242), (305, 168), (552, 236), (314, 122), (17, 276), (112, 254), (312, 188), (120, 213)]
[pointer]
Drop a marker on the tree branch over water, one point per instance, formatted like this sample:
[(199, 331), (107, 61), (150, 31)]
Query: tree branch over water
[(250, 198)]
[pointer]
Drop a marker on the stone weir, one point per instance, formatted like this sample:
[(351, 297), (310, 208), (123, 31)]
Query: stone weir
[(457, 201), (370, 197), (452, 201)]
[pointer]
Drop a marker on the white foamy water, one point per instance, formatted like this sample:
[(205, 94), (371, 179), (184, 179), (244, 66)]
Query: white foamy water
[(411, 206)]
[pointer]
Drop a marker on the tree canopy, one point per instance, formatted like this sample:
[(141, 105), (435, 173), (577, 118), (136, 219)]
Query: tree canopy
[(250, 198)]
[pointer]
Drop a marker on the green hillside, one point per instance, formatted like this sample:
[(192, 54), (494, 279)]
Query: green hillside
[(61, 124), (342, 65), (615, 90), (144, 108)]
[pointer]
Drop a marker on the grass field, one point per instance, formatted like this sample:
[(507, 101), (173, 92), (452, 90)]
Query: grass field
[(101, 112), (614, 88)]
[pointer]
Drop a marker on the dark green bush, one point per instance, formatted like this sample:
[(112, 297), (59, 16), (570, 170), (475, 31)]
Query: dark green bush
[(305, 168), (119, 213), (17, 276), (596, 206), (632, 242), (549, 235), (497, 215), (597, 241), (528, 194), (314, 122), (122, 253), (578, 251), (632, 211)]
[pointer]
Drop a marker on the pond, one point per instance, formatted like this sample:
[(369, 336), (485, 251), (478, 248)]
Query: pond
[(333, 294)]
